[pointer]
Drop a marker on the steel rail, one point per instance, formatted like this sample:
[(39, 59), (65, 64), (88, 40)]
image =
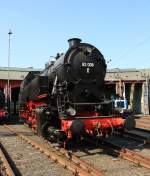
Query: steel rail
[(137, 137), (5, 166), (77, 166), (83, 164), (130, 155), (143, 130)]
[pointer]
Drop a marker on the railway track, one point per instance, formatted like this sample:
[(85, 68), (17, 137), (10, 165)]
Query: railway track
[(130, 155), (117, 161), (138, 134), (26, 160), (5, 168), (68, 160), (132, 146), (100, 158)]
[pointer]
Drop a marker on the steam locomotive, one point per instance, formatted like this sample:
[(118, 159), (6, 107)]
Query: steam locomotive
[(2, 107), (66, 100)]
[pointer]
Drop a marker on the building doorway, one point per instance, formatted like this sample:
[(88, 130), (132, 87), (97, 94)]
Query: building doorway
[(14, 100)]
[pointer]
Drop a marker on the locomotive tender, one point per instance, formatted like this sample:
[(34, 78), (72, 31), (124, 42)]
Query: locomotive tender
[(66, 100)]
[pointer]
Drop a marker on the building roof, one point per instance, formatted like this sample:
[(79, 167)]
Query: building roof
[(15, 73), (127, 74), (19, 69), (111, 75)]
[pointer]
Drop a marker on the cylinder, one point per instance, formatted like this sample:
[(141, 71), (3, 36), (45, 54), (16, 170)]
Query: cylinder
[(74, 42)]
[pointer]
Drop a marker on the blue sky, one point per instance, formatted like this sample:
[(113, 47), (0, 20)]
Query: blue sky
[(120, 29)]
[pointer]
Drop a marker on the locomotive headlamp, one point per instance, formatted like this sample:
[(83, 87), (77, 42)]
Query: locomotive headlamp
[(71, 111), (47, 112), (89, 50)]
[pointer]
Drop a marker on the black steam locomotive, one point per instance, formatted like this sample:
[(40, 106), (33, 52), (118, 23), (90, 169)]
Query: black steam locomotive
[(66, 100)]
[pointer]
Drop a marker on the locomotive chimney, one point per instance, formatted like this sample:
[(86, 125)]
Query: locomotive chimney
[(74, 42)]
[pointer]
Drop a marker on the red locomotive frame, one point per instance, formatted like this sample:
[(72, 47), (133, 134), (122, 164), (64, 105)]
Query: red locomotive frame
[(92, 121)]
